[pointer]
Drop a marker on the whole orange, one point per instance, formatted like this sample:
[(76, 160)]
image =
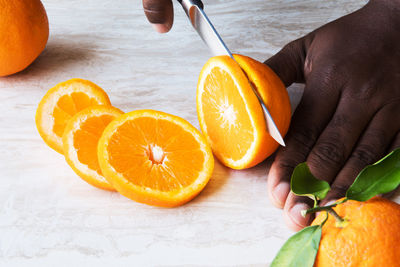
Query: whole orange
[(24, 30), (370, 237)]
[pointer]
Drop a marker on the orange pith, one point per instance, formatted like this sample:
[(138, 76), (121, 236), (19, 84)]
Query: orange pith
[(155, 158), (80, 140), (370, 237), (230, 114), (61, 103)]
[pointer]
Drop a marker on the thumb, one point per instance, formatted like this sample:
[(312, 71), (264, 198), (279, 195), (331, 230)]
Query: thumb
[(288, 63), (160, 14)]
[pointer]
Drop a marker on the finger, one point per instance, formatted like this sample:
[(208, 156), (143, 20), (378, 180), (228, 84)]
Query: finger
[(338, 139), (160, 13), (390, 194), (292, 212), (288, 63), (309, 119), (395, 143), (372, 146)]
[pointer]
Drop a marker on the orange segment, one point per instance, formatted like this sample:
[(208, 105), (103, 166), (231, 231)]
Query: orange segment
[(230, 114), (61, 103), (155, 158), (80, 139)]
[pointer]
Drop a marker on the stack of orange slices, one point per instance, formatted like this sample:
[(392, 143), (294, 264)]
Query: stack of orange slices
[(146, 155)]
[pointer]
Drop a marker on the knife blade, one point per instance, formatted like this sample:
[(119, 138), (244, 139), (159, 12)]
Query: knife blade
[(206, 30)]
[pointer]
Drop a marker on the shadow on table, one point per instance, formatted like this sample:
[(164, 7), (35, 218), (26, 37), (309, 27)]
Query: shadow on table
[(62, 54), (222, 174), (218, 179)]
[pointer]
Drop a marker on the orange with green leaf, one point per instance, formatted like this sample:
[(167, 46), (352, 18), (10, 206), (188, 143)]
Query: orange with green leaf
[(358, 230)]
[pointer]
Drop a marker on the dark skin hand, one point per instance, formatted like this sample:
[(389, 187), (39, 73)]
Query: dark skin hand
[(349, 115)]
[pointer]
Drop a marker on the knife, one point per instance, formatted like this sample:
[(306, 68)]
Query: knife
[(200, 22)]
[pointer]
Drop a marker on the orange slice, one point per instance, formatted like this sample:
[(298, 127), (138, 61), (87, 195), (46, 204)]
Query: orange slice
[(155, 158), (230, 114), (80, 139), (62, 102)]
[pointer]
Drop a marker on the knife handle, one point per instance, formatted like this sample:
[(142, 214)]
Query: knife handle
[(187, 3)]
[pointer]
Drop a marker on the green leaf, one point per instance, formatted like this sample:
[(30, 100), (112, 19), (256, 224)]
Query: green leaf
[(299, 250), (303, 183), (379, 178)]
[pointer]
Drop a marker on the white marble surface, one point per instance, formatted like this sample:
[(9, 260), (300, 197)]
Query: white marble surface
[(50, 217)]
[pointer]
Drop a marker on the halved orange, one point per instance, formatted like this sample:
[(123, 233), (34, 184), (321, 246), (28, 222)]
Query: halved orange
[(80, 139), (62, 102), (155, 158), (230, 114)]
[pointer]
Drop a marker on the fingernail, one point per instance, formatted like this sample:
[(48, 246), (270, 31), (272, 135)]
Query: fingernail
[(280, 193), (296, 214), (161, 28), (330, 202)]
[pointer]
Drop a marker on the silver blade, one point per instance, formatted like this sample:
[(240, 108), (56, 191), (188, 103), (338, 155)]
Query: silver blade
[(210, 36), (272, 129), (207, 32)]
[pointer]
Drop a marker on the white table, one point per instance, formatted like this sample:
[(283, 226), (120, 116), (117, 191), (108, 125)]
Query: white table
[(50, 217)]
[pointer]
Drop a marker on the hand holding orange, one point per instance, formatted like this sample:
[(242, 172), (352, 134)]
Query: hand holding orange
[(357, 230)]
